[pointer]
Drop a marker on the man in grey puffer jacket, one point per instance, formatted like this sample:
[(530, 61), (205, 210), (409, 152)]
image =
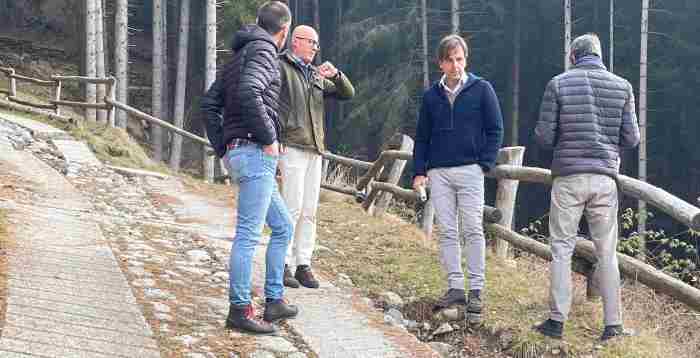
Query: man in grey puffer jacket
[(587, 116)]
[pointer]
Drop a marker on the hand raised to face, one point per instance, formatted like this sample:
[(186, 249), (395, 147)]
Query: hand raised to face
[(327, 70)]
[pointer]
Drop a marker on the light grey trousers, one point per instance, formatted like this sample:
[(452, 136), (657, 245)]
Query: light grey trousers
[(457, 193), (595, 196)]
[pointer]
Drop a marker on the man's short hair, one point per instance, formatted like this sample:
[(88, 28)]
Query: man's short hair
[(586, 45), (273, 15), (449, 43)]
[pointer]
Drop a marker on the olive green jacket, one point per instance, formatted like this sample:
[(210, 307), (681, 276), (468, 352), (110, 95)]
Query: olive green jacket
[(301, 107)]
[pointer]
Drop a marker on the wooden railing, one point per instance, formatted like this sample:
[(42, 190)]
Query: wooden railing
[(56, 82), (380, 181), (109, 103), (508, 173)]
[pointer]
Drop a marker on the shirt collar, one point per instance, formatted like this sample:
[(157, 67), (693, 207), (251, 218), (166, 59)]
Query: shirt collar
[(460, 84), (299, 61)]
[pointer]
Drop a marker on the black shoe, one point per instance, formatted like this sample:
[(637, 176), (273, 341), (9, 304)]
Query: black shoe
[(550, 328), (616, 331), (289, 280), (278, 310), (474, 302), (243, 319), (306, 277), (453, 296), (474, 306)]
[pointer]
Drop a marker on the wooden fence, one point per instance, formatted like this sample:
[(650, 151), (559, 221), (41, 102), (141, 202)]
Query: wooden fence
[(380, 182), (508, 173)]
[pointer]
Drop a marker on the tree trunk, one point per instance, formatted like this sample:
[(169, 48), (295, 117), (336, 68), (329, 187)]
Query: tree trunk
[(90, 55), (181, 83), (100, 58), (641, 228), (209, 78), (157, 94), (567, 33), (167, 92), (611, 60), (424, 42), (515, 115), (317, 26), (121, 56), (340, 113), (455, 16)]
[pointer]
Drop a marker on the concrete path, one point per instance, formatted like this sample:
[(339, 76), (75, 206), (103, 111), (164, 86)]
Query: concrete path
[(333, 321), (66, 296)]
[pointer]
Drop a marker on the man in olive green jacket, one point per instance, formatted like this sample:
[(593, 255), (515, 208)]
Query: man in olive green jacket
[(304, 88)]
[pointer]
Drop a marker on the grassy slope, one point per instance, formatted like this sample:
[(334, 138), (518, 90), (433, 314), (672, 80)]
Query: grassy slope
[(387, 254)]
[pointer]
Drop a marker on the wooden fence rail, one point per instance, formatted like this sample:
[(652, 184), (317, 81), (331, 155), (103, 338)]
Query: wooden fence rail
[(629, 267), (147, 117), (508, 172)]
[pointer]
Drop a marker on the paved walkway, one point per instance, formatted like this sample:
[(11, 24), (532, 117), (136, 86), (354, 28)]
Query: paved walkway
[(66, 296), (69, 298), (334, 322)]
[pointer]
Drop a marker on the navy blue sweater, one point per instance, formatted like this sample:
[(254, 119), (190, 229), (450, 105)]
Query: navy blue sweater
[(469, 132)]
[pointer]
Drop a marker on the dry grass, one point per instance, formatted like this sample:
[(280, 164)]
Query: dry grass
[(388, 254)]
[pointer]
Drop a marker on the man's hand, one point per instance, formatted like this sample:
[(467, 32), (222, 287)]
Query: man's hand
[(327, 70), (419, 181), (272, 149)]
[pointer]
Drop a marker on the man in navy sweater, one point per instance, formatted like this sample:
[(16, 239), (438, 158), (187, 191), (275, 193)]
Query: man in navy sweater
[(459, 133)]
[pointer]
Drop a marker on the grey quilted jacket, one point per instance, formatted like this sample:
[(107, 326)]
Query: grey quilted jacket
[(587, 115)]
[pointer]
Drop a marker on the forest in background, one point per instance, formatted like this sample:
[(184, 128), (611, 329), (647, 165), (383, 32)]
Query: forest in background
[(379, 45)]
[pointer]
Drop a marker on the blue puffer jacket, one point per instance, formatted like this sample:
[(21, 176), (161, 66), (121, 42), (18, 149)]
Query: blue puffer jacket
[(587, 115), (470, 132)]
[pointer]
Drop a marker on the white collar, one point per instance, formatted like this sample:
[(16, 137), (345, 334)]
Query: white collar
[(460, 84)]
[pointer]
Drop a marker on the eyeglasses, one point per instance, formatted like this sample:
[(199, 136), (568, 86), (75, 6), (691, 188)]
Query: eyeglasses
[(312, 42)]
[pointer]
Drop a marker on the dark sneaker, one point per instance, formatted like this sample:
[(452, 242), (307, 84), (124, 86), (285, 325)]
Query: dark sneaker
[(550, 328), (306, 277), (278, 310), (616, 331), (243, 319), (474, 306), (453, 296), (289, 280)]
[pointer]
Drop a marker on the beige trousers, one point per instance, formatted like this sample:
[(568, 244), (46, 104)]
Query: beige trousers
[(595, 196)]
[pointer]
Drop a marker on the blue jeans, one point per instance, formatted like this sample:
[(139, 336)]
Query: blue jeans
[(259, 201)]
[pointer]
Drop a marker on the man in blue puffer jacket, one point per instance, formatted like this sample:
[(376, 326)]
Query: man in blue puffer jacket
[(459, 133)]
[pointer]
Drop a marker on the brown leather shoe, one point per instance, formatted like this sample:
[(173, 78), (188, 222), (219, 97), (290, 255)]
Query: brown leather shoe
[(289, 280), (306, 277), (278, 310), (243, 319)]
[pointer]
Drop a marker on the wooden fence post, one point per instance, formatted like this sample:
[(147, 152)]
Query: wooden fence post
[(372, 193), (506, 194), (428, 219), (58, 96), (112, 94), (394, 176), (13, 83), (208, 166)]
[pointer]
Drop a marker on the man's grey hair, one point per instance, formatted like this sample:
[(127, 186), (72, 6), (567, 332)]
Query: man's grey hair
[(449, 43), (585, 45)]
